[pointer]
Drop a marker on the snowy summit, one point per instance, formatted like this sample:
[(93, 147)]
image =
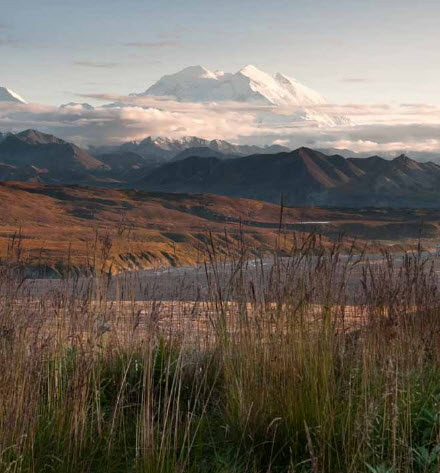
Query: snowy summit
[(249, 84), (8, 95)]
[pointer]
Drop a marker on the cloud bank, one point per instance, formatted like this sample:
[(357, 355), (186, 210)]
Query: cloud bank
[(376, 127)]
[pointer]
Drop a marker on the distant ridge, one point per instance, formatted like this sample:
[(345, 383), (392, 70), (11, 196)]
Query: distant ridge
[(167, 148), (305, 177)]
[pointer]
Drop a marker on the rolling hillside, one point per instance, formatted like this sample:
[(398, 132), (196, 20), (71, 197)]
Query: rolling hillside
[(50, 226), (138, 229)]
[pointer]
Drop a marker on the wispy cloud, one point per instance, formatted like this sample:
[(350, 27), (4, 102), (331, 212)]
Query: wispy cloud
[(418, 106), (356, 80), (96, 64), (151, 44), (5, 41)]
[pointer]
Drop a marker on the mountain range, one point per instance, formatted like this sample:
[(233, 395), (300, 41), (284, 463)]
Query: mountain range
[(42, 158), (163, 148), (303, 177)]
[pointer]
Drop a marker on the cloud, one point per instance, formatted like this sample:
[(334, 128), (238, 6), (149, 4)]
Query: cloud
[(361, 146), (417, 105), (378, 127), (373, 138), (281, 142), (96, 64), (151, 44), (117, 124), (356, 80), (9, 41), (170, 103), (300, 116)]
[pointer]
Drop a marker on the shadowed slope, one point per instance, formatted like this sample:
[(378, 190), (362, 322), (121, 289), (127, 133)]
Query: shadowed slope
[(306, 177)]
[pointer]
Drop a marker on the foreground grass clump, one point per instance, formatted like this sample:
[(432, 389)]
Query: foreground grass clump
[(321, 362)]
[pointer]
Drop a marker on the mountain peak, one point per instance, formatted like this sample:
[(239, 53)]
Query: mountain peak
[(195, 72), (35, 137), (404, 161), (196, 84), (249, 84), (402, 158), (8, 95), (250, 69), (305, 149)]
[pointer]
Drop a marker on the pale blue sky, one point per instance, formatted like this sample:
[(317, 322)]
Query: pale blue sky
[(351, 51)]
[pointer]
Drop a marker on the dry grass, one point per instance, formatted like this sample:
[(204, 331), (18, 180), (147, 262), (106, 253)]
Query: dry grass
[(286, 369)]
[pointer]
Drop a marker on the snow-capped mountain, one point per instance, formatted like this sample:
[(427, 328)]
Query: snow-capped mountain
[(162, 146), (248, 85), (168, 148), (8, 95)]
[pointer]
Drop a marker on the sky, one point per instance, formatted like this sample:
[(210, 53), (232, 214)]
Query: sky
[(368, 53), (350, 51)]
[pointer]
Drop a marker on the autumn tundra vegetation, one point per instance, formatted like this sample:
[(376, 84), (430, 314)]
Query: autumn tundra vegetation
[(324, 359)]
